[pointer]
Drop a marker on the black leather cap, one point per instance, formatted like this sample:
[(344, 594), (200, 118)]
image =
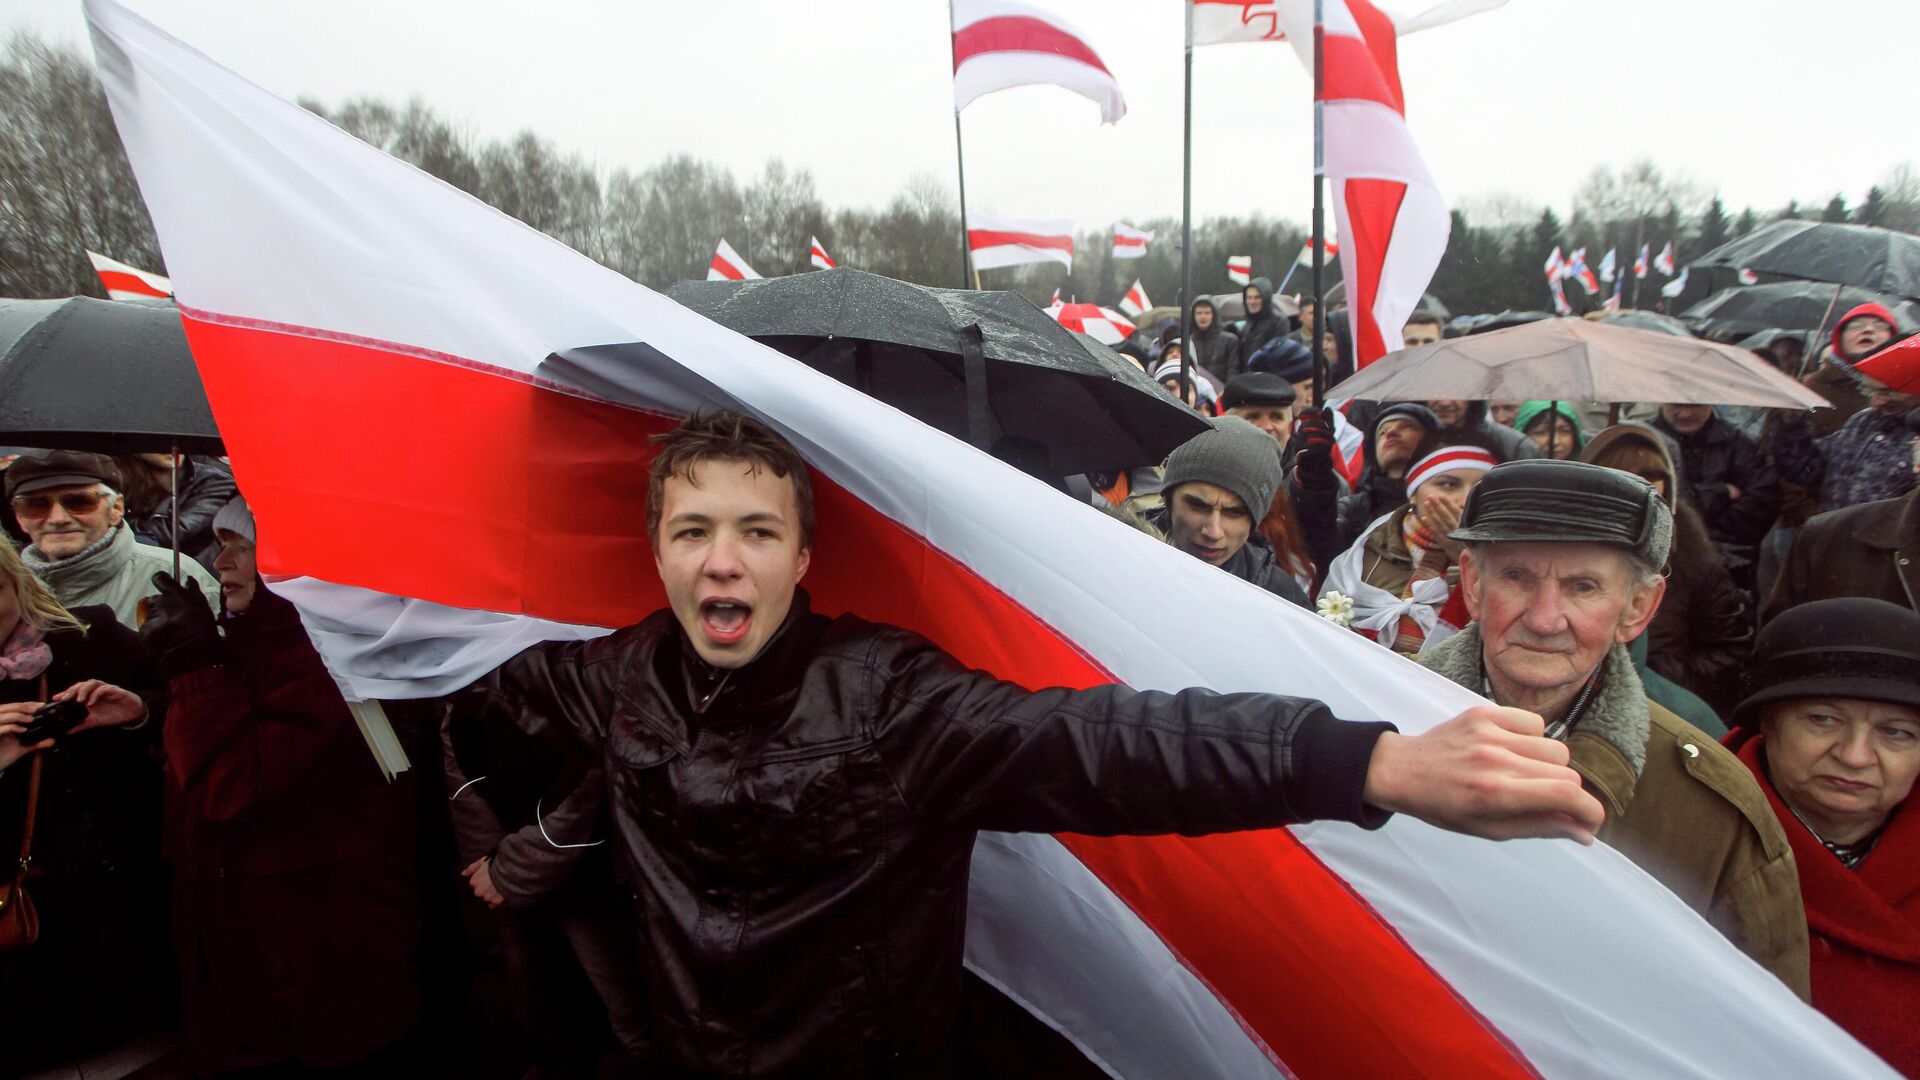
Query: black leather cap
[(1567, 502), (43, 469), (1257, 388), (1847, 647)]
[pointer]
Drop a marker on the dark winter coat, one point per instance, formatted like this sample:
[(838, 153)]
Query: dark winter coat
[(1712, 458), (1868, 550), (1702, 636), (205, 487), (1257, 330), (100, 789), (1254, 562), (1863, 924), (295, 915), (1870, 458), (1478, 429), (1216, 348), (799, 848), (1680, 806)]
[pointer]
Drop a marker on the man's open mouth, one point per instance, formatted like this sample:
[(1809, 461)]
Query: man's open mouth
[(725, 620)]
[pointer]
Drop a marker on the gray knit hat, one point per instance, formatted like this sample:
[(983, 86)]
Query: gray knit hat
[(1235, 455), (235, 517)]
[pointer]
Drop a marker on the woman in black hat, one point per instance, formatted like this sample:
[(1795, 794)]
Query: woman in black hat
[(1832, 731)]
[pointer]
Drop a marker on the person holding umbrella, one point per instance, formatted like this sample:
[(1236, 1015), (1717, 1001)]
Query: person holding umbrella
[(1868, 459)]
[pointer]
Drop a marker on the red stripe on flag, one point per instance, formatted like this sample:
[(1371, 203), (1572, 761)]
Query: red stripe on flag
[(1372, 208), (986, 238), (1019, 33), (1353, 74), (726, 269), (121, 281), (1129, 242)]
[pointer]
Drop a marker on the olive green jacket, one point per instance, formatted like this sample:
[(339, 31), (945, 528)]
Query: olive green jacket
[(1682, 807)]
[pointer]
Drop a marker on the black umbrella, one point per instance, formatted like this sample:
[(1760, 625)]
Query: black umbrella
[(1787, 305), (1860, 255), (977, 365), (1647, 320), (104, 375), (1499, 320)]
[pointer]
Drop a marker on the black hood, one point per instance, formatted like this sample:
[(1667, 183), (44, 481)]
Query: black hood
[(1265, 287), (1208, 334)]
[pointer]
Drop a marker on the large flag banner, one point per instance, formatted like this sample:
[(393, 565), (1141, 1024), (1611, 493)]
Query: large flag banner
[(494, 392), (124, 282), (1391, 218), (1135, 303), (997, 242), (1240, 269), (817, 255), (1001, 44), (1305, 258), (727, 265), (1222, 22), (1129, 242)]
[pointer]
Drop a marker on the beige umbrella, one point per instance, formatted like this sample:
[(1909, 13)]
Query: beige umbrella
[(1577, 360)]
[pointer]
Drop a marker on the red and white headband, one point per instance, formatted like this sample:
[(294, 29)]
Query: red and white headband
[(1448, 459)]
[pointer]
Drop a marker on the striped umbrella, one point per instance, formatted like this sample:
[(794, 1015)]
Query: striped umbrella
[(1104, 325)]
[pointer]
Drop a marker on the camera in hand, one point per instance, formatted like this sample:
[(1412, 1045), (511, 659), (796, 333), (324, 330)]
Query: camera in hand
[(53, 720)]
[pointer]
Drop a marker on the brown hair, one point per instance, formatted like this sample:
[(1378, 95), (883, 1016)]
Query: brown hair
[(1282, 530), (1636, 457), (726, 435)]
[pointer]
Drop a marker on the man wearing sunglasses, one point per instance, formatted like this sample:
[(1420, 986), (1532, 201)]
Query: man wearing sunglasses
[(70, 506)]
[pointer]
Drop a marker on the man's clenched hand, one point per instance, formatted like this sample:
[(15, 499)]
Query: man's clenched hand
[(1488, 772)]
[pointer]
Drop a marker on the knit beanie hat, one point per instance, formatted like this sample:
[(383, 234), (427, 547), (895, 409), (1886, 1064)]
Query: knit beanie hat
[(1235, 455), (235, 517)]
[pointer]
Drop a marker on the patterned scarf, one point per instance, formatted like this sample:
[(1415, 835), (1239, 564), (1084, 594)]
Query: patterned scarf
[(26, 653)]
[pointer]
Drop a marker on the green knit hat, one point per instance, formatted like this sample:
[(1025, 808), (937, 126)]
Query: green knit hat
[(1533, 410)]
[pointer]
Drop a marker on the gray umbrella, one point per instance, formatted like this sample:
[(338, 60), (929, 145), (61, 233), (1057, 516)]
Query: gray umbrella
[(1860, 255), (977, 365), (104, 375), (1577, 360)]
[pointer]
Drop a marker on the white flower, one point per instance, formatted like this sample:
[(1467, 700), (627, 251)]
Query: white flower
[(1336, 608)]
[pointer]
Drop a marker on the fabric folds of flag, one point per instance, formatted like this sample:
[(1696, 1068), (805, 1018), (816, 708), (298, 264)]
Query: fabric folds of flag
[(727, 265), (1305, 258), (818, 256), (124, 282), (1641, 263), (1223, 22), (1240, 269), (1578, 270), (1609, 266), (1104, 325), (1663, 262), (997, 242), (1389, 213), (1001, 44), (1129, 242), (1556, 270), (1135, 303), (514, 385)]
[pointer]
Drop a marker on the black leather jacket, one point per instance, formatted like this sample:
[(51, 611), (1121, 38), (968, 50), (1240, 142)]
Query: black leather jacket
[(799, 849)]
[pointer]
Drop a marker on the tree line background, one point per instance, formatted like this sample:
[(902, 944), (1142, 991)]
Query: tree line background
[(65, 187)]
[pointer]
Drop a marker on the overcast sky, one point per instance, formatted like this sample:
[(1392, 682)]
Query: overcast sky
[(1762, 100)]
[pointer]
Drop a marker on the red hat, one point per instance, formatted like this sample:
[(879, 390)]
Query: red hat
[(1871, 311)]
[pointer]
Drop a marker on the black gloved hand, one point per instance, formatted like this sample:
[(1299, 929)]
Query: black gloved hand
[(1317, 444), (181, 631)]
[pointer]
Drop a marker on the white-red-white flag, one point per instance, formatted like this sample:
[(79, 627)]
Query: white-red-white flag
[(727, 265), (1223, 22), (1054, 301), (1104, 325), (997, 242), (1129, 242), (1609, 266), (1556, 271), (1641, 263), (1748, 277), (518, 457), (124, 282), (1578, 270), (1677, 286), (1240, 269), (818, 255), (1135, 303), (1663, 262), (1392, 220), (1001, 44), (1305, 258)]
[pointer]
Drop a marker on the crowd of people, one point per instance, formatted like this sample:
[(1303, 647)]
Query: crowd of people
[(1700, 624)]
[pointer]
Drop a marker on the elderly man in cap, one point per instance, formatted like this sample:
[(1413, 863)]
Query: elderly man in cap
[(1561, 570), (1217, 486), (70, 505), (1262, 399)]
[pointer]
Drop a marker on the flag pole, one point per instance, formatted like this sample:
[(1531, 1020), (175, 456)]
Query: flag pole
[(967, 272), (1186, 224), (1319, 208)]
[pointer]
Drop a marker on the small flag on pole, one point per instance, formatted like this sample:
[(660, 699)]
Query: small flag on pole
[(1001, 44), (997, 242), (1556, 271), (727, 265), (1240, 269), (821, 261), (1135, 303), (1577, 270), (1640, 264), (1748, 277), (1663, 262), (1608, 267), (124, 282), (1129, 242), (1675, 287), (1055, 301), (1305, 258)]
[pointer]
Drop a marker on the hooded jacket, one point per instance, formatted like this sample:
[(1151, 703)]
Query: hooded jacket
[(1257, 330), (798, 838), (1569, 421), (1863, 924), (1681, 806), (1216, 348), (1510, 444), (1714, 457)]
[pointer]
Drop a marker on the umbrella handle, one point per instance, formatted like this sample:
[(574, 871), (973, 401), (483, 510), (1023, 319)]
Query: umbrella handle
[(173, 483), (973, 358)]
